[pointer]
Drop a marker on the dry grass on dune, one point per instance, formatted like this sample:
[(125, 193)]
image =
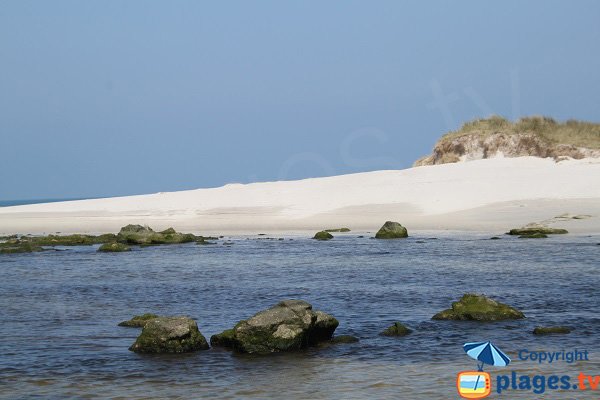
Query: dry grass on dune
[(571, 132)]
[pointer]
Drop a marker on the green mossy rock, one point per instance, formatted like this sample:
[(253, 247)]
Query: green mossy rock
[(537, 229), (287, 326), (14, 246), (338, 230), (114, 248), (323, 235), (534, 236), (396, 329), (391, 230), (63, 240), (475, 307), (223, 339), (170, 335), (138, 321), (549, 330), (145, 236), (344, 339)]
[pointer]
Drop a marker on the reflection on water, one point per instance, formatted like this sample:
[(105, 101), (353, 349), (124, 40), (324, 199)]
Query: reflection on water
[(59, 310)]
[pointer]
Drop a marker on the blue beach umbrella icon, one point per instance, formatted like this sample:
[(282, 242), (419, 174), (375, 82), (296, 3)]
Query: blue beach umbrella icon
[(486, 353)]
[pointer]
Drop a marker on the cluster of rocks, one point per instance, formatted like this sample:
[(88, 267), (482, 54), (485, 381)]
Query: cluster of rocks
[(128, 235), (292, 325), (389, 230)]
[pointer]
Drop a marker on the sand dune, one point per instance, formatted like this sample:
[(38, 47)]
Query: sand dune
[(486, 195)]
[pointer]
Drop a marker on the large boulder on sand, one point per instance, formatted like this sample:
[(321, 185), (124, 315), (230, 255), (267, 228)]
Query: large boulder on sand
[(477, 307), (289, 325), (169, 335), (391, 230)]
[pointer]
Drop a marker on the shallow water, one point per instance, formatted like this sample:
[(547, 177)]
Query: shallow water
[(59, 313)]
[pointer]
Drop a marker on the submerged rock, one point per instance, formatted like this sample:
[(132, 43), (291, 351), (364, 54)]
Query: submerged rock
[(548, 330), (170, 335), (391, 230), (114, 247), (534, 236), (343, 339), (138, 321), (478, 307), (289, 325), (397, 329), (323, 235)]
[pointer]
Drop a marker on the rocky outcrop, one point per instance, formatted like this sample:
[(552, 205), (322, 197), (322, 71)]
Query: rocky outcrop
[(476, 307), (534, 136), (396, 329), (289, 325), (391, 230), (323, 235), (13, 246), (144, 235), (169, 335), (138, 321), (533, 229), (338, 230)]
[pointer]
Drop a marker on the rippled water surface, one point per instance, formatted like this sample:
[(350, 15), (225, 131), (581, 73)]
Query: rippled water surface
[(59, 312)]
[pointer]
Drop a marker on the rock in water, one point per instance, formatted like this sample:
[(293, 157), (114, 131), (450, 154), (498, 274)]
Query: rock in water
[(138, 321), (548, 330), (145, 236), (535, 229), (114, 247), (391, 230), (397, 329), (323, 235), (476, 307), (534, 236), (170, 335), (289, 325), (344, 339)]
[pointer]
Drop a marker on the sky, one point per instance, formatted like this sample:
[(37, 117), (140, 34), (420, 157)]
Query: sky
[(110, 98)]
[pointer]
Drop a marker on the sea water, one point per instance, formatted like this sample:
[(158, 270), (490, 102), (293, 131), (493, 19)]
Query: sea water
[(59, 312)]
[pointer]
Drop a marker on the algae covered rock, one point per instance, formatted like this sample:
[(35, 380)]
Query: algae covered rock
[(114, 248), (63, 240), (323, 235), (533, 229), (391, 230), (14, 246), (169, 335), (476, 307), (338, 230), (549, 330), (138, 321), (223, 339), (145, 236), (289, 325), (396, 329)]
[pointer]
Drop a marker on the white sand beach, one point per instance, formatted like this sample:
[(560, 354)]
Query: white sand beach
[(485, 195)]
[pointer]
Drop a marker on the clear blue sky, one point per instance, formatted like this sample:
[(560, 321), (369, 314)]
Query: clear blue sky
[(104, 98)]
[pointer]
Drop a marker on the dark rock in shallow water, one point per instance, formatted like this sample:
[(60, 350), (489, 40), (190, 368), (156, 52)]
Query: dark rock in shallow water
[(534, 236), (170, 335), (114, 248), (289, 325), (548, 330), (138, 321), (397, 329), (477, 307), (343, 339), (323, 235), (391, 230), (495, 238), (537, 229)]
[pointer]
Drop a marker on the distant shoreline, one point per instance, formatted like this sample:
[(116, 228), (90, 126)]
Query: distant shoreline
[(12, 203)]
